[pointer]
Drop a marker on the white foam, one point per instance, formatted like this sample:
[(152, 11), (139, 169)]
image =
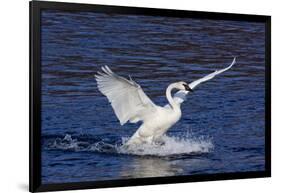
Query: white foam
[(185, 144), (171, 146)]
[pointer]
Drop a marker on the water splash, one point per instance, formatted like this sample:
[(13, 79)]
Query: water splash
[(170, 146), (67, 143), (186, 144)]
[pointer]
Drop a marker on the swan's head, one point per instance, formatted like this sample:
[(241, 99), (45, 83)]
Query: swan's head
[(183, 86)]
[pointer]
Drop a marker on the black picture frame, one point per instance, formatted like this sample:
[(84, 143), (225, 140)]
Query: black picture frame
[(35, 96)]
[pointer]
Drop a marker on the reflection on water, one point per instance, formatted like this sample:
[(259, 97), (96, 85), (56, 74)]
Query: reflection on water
[(155, 51), (150, 166)]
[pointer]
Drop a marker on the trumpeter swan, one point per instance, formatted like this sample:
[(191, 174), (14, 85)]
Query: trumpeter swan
[(130, 103)]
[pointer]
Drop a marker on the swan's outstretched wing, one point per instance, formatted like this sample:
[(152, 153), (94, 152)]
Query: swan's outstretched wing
[(180, 96), (127, 98)]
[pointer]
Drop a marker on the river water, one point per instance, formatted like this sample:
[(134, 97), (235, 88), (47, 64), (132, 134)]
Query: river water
[(222, 125)]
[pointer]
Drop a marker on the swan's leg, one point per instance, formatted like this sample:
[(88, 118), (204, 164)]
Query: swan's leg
[(159, 140), (142, 135), (134, 140)]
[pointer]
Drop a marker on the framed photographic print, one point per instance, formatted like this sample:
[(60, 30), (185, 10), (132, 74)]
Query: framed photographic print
[(125, 96)]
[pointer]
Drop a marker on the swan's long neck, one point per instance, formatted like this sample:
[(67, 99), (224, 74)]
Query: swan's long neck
[(173, 104)]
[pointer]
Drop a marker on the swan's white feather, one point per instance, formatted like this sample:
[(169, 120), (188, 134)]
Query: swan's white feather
[(127, 98), (180, 96)]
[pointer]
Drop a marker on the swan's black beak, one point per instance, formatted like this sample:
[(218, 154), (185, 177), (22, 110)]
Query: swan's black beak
[(187, 88)]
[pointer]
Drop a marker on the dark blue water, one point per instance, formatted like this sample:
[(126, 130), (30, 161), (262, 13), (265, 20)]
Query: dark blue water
[(222, 125)]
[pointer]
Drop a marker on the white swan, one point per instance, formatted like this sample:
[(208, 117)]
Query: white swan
[(130, 103)]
